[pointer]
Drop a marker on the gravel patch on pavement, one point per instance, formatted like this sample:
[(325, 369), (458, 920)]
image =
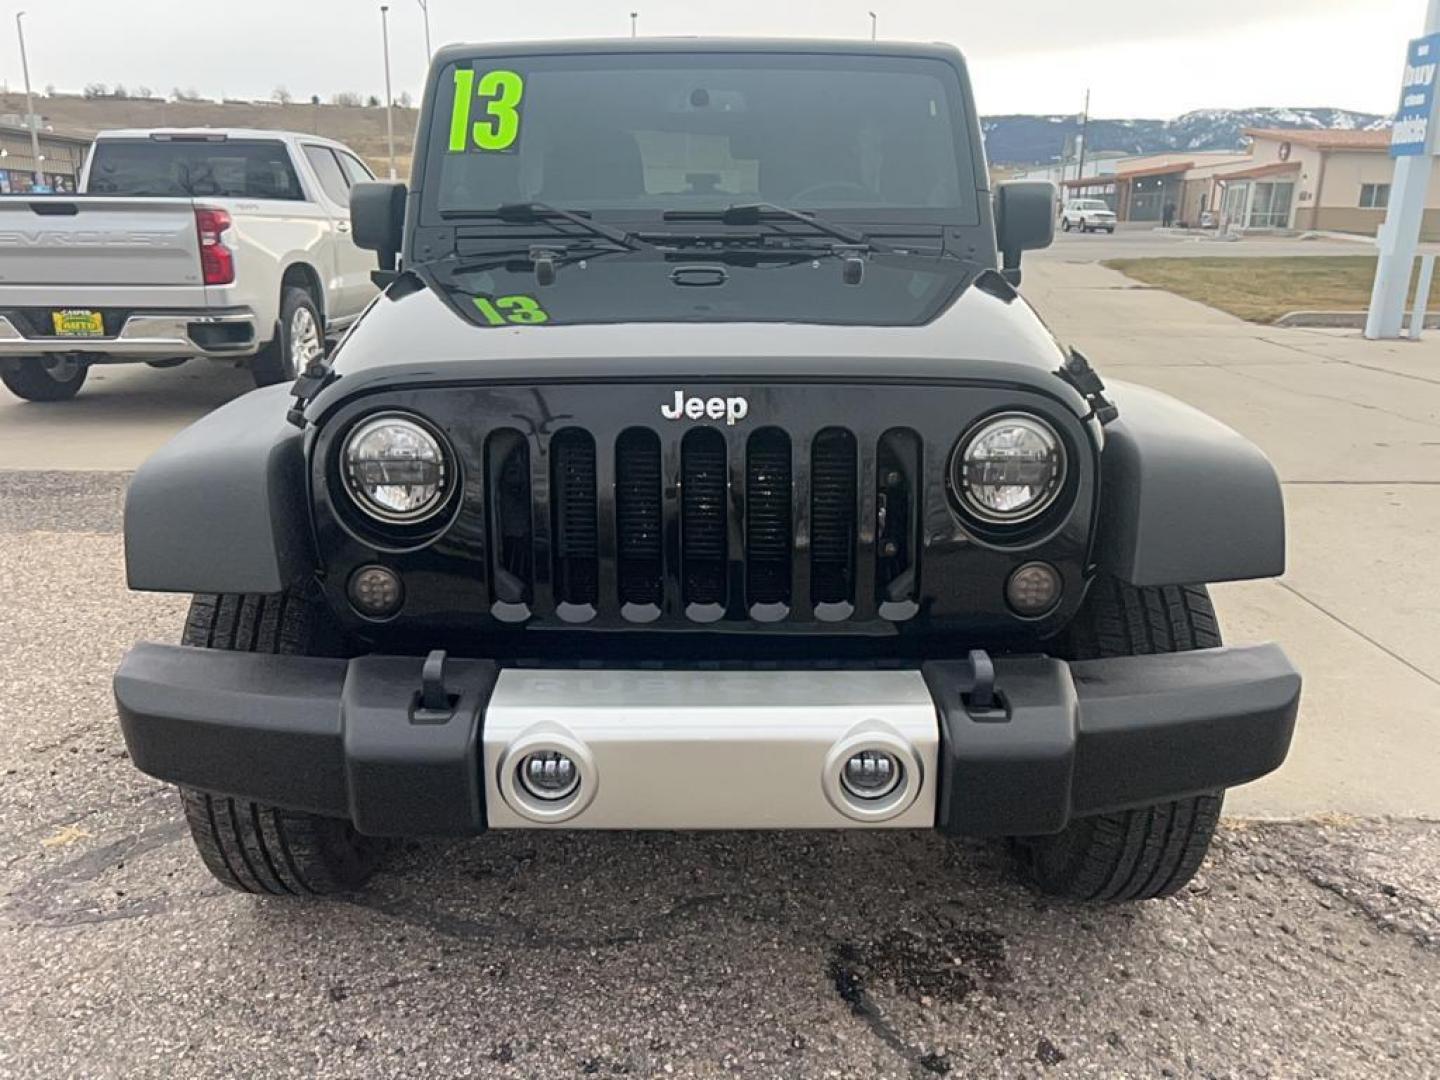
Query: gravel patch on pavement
[(53, 501), (1302, 950)]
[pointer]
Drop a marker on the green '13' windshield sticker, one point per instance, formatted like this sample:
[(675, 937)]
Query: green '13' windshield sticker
[(498, 128), (511, 310)]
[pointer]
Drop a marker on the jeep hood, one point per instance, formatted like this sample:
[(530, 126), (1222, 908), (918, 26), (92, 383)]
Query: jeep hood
[(656, 319)]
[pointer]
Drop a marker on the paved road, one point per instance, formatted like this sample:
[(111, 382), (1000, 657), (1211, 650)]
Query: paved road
[(1141, 243)]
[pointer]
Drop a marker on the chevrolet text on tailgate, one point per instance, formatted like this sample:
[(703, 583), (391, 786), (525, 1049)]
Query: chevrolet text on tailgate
[(228, 245), (701, 467)]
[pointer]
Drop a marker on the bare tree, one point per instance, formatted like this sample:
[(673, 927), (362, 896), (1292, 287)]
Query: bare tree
[(372, 102), (347, 98), (95, 90), (185, 95), (405, 100), (282, 95), (144, 93), (120, 92)]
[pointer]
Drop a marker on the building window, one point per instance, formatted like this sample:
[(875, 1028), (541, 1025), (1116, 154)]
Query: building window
[(1374, 196)]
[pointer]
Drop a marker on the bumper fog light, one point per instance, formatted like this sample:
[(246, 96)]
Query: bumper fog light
[(548, 775), (376, 592), (871, 775), (1034, 589)]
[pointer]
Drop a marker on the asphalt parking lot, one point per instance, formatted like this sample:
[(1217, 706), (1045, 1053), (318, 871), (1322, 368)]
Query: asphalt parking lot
[(1309, 946)]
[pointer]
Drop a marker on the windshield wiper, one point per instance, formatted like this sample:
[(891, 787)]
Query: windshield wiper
[(539, 213), (756, 213)]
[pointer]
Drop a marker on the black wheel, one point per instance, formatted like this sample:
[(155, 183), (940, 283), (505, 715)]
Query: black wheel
[(249, 846), (299, 339), (44, 380), (166, 365), (1111, 230), (1152, 851), (1065, 224)]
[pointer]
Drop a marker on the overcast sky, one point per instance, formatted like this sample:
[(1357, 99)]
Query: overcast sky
[(1143, 58)]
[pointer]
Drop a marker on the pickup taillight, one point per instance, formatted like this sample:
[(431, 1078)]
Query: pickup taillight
[(217, 262)]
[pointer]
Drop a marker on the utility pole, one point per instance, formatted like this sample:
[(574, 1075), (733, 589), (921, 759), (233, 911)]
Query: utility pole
[(425, 10), (874, 26), (1084, 130), (634, 23), (31, 118), (389, 98), (1400, 235)]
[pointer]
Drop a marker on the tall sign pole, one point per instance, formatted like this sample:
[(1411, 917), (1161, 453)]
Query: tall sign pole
[(31, 120), (1412, 145), (390, 97)]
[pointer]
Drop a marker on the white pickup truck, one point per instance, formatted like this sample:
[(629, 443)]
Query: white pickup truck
[(225, 244)]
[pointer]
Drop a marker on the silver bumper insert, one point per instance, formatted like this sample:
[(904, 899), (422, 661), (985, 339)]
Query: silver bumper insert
[(711, 750), (143, 337)]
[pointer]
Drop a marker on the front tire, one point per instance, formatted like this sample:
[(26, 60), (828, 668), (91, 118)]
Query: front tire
[(1065, 224), (299, 339), (252, 847), (38, 380), (1153, 851)]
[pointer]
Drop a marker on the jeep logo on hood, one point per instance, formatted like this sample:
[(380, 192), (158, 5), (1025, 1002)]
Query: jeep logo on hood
[(730, 409)]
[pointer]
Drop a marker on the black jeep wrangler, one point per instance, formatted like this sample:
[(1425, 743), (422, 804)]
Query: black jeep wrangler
[(700, 467)]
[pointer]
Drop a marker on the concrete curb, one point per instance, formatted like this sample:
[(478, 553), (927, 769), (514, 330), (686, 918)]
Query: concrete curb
[(1340, 320)]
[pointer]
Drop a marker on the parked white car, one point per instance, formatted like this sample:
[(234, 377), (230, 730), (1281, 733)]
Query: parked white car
[(1087, 215), (230, 245)]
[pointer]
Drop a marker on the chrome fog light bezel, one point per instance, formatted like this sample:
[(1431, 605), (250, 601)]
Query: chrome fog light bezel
[(541, 809), (881, 738)]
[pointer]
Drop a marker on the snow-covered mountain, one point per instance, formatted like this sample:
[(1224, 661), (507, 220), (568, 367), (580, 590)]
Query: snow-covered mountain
[(1028, 140)]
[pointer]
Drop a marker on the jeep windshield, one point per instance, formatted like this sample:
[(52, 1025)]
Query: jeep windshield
[(629, 137)]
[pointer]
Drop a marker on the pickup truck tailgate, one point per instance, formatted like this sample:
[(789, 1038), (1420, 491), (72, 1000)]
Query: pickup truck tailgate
[(96, 241)]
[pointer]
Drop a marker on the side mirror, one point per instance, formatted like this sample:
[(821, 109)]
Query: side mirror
[(377, 216), (1024, 221)]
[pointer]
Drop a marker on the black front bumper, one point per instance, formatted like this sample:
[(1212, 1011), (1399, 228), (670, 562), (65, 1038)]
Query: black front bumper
[(353, 739)]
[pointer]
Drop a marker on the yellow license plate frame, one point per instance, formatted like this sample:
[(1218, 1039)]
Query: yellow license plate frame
[(78, 323)]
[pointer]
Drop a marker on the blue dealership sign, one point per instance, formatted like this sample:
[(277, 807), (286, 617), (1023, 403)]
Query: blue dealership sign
[(1417, 99)]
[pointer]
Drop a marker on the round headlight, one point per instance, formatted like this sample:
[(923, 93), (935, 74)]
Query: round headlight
[(396, 469), (1009, 469)]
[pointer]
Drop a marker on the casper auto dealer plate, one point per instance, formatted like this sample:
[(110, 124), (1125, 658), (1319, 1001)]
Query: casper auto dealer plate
[(72, 322)]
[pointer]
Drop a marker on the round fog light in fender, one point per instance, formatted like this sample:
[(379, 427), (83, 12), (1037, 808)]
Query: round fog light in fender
[(872, 774), (1034, 589), (549, 775), (376, 591)]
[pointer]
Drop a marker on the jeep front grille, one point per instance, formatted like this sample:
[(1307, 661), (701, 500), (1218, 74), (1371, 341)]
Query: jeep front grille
[(747, 537)]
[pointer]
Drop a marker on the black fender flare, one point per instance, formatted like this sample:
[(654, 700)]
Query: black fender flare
[(224, 506), (1184, 499)]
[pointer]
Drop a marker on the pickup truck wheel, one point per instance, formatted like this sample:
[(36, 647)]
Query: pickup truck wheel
[(40, 380), (299, 339), (1153, 851), (1065, 224), (249, 846)]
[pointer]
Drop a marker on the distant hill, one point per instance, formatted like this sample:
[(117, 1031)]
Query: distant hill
[(1038, 140), (1010, 140)]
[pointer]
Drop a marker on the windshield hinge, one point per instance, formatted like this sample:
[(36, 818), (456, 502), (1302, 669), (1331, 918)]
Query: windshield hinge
[(852, 261), (543, 259), (1079, 374), (307, 387)]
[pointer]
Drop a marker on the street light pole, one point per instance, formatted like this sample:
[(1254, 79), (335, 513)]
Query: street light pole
[(874, 26), (634, 23), (425, 10), (29, 102), (389, 98)]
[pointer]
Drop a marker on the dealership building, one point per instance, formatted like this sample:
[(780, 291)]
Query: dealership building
[(1286, 181), (62, 157)]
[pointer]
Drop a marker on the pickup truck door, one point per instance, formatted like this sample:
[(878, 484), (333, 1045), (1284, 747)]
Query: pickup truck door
[(351, 266)]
